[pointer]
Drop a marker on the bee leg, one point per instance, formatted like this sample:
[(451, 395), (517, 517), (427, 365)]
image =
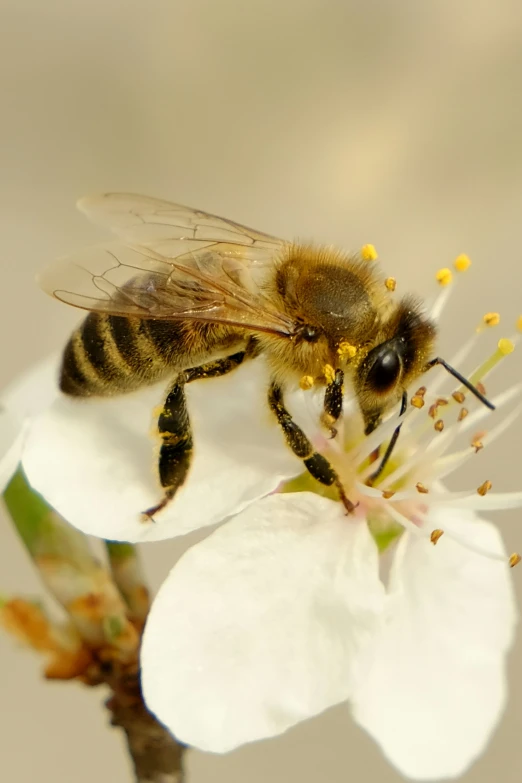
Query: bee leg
[(370, 481), (317, 465), (333, 402), (175, 431)]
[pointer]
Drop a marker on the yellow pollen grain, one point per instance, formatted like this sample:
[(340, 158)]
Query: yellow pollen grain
[(436, 535), (462, 262), (514, 559), (369, 253), (458, 396), (505, 346), (491, 319), (346, 350), (444, 276), (439, 425), (421, 488), (417, 401), (390, 283), (484, 488), (329, 373), (463, 413), (306, 382)]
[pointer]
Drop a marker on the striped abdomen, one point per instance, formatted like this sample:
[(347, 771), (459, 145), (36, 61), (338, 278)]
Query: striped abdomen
[(110, 354)]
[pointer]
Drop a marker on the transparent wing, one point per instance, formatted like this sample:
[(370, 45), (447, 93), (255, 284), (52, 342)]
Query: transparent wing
[(213, 283), (141, 219)]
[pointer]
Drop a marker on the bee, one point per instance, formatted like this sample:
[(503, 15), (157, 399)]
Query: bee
[(184, 295)]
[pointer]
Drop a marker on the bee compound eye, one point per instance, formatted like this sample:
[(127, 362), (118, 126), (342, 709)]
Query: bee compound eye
[(384, 371)]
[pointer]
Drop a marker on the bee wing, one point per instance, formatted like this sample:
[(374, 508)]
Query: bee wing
[(212, 283), (141, 219)]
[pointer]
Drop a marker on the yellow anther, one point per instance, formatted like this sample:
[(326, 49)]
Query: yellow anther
[(421, 488), (441, 401), (439, 425), (388, 493), (458, 396), (436, 535), (514, 559), (369, 253), (346, 350), (463, 413), (462, 262), (306, 382), (444, 276), (329, 373), (417, 402), (481, 388), (390, 283), (432, 411), (421, 391), (519, 323), (484, 488), (505, 346), (491, 319), (477, 444)]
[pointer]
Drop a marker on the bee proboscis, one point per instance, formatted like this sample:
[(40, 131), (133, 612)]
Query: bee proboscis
[(184, 295)]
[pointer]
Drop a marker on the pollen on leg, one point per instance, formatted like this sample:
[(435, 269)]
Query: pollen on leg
[(329, 373), (484, 488), (346, 350)]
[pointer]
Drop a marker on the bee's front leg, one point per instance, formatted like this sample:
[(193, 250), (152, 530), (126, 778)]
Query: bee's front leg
[(333, 403), (316, 464), (175, 430)]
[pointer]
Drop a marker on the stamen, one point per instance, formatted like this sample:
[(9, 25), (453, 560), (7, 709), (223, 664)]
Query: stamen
[(390, 283), (484, 488), (436, 535), (439, 425), (462, 263), (306, 382), (489, 319), (504, 348), (369, 253), (477, 444), (444, 277)]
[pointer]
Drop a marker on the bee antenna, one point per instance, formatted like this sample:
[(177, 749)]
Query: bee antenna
[(464, 381)]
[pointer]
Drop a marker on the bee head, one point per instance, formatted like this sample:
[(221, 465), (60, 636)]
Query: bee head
[(402, 354)]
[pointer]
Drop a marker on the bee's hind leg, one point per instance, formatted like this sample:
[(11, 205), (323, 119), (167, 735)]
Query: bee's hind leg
[(317, 465), (175, 430)]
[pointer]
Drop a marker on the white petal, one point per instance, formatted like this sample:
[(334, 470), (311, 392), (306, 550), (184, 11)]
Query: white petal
[(94, 460), (438, 684), (29, 393), (263, 624)]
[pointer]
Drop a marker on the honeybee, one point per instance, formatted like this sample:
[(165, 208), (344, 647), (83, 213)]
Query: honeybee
[(184, 295)]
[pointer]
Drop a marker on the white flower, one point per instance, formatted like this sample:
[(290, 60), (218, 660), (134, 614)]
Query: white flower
[(288, 608)]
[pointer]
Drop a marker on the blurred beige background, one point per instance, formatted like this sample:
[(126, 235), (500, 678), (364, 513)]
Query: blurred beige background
[(397, 123)]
